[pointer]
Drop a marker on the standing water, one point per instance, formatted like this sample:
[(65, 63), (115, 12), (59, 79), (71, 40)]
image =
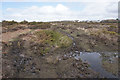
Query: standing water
[(94, 59)]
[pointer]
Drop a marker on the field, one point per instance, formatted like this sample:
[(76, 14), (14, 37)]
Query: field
[(57, 49)]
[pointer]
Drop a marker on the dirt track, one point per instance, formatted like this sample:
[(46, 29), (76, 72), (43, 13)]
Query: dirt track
[(10, 35)]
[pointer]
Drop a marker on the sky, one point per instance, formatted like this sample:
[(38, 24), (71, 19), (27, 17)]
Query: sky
[(58, 11)]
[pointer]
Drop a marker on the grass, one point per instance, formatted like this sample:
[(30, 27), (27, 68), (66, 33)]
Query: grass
[(43, 51), (110, 32), (104, 31), (52, 39), (113, 26)]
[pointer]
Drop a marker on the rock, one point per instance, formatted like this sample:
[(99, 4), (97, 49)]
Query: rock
[(88, 50), (22, 55)]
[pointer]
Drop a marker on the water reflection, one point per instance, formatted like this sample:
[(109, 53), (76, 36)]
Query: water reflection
[(105, 63)]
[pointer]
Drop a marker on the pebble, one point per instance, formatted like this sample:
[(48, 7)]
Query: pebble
[(60, 59), (76, 51), (22, 55), (76, 58), (65, 55)]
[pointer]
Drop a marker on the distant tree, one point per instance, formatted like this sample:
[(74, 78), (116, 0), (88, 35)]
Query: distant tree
[(33, 23), (4, 22), (117, 19), (24, 22)]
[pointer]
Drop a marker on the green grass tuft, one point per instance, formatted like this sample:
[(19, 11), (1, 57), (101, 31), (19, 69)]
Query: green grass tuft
[(52, 39)]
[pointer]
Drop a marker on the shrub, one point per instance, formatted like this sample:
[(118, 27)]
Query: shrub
[(24, 22)]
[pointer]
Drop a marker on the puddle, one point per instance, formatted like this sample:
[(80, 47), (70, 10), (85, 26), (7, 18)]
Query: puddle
[(94, 59)]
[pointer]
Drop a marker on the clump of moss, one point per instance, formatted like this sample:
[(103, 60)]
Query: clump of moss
[(52, 39)]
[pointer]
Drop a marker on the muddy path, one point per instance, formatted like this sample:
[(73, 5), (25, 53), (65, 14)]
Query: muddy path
[(31, 65), (11, 35), (21, 60)]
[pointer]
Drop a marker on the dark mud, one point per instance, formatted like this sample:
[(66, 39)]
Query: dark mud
[(21, 62)]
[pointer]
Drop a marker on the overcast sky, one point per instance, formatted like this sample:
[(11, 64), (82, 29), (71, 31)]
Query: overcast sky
[(55, 11)]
